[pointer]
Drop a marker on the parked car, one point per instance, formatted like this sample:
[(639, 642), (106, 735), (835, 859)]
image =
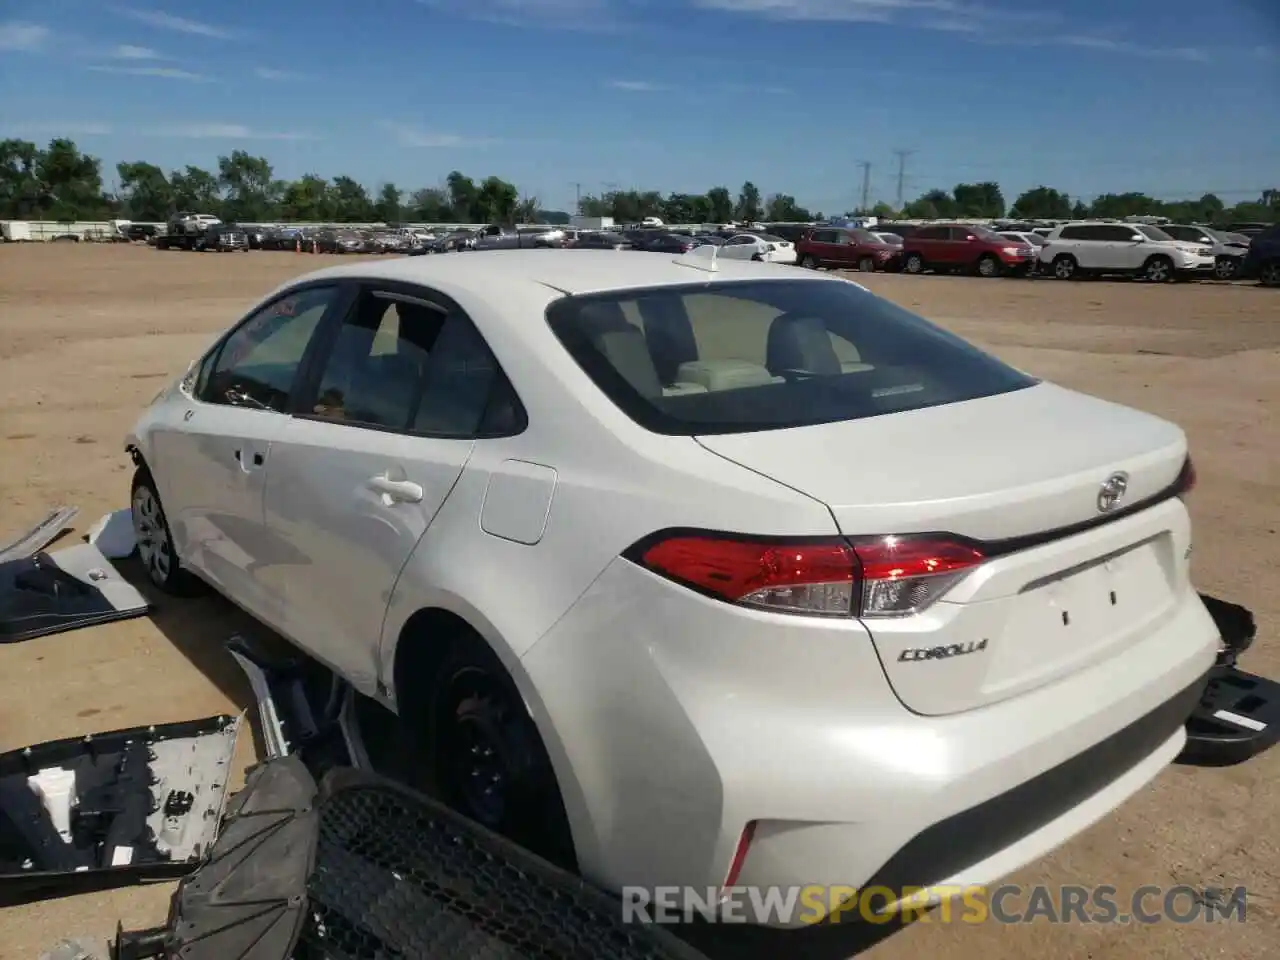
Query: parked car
[(1227, 253), (1262, 262), (967, 247), (601, 241), (893, 239), (848, 249), (639, 597), (662, 242), (764, 247), (145, 232), (222, 238), (1034, 240), (1248, 228), (1136, 249), (791, 232), (903, 230)]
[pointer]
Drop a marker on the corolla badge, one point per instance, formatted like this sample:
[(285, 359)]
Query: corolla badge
[(1112, 492)]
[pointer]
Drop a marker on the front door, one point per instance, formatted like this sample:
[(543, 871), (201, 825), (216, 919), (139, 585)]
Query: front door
[(213, 458), (354, 483)]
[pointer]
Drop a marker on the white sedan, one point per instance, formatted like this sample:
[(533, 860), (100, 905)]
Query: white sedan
[(760, 247), (688, 571)]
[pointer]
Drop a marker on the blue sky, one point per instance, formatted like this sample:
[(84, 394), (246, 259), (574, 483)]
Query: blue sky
[(1170, 96)]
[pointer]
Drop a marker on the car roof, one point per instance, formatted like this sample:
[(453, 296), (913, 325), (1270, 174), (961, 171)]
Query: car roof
[(564, 271)]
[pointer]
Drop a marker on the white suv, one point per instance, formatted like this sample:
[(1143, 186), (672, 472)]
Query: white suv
[(1077, 249)]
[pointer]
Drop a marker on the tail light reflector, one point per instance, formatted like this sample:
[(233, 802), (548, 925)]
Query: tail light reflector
[(831, 577)]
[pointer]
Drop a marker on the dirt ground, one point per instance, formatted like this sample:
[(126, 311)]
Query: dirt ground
[(88, 334)]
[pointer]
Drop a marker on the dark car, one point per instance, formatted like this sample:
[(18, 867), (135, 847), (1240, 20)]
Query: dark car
[(223, 238), (965, 247), (602, 241), (141, 231), (848, 248), (791, 232), (666, 243), (903, 230), (1262, 262), (1249, 229)]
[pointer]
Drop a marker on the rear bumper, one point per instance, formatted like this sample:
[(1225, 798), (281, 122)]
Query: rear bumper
[(674, 720)]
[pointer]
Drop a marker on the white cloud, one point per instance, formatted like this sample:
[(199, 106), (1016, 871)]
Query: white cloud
[(409, 135), (70, 128), (586, 15), (167, 21), (23, 37), (267, 73), (127, 51), (168, 73), (225, 131), (637, 86)]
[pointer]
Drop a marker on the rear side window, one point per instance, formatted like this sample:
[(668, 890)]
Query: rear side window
[(765, 355)]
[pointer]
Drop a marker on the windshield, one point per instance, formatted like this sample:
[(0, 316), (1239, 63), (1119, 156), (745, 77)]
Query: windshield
[(771, 238), (768, 354), (985, 233), (891, 238), (1152, 233)]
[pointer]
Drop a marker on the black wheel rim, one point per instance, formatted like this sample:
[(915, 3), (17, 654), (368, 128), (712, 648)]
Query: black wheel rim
[(485, 754)]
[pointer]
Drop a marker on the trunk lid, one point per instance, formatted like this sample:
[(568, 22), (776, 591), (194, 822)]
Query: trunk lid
[(1021, 473)]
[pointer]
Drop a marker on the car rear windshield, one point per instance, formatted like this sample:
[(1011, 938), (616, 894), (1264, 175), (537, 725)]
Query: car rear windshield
[(745, 356)]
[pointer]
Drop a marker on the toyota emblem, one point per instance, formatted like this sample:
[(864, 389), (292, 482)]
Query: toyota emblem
[(1112, 492)]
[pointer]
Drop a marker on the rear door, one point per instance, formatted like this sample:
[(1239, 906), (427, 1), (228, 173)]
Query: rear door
[(358, 475)]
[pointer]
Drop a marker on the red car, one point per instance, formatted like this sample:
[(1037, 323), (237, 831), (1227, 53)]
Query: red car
[(847, 248), (973, 249)]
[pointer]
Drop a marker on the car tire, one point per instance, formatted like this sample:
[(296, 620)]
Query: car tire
[(913, 264), (809, 262), (486, 757), (1269, 274), (1226, 268), (988, 266), (1065, 267), (1158, 269), (155, 548), (866, 265)]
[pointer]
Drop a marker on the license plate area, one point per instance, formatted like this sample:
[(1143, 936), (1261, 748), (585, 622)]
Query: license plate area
[(1076, 613)]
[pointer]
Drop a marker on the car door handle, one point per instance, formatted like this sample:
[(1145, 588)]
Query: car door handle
[(403, 491)]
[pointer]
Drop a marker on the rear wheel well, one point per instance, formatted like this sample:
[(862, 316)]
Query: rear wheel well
[(417, 658)]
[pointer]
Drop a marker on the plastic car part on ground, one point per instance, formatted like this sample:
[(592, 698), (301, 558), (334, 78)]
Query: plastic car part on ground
[(64, 590), (1239, 715), (114, 535), (39, 536), (364, 869), (112, 808)]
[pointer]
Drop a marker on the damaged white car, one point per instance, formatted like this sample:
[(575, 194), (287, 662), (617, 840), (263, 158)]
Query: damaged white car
[(695, 571)]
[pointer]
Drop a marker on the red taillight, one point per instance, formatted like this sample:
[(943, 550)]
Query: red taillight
[(902, 575), (740, 855), (880, 577)]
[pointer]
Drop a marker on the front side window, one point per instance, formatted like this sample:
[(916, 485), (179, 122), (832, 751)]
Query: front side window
[(256, 365), (763, 355)]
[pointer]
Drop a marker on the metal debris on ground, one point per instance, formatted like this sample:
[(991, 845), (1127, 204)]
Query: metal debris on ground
[(39, 536), (76, 948)]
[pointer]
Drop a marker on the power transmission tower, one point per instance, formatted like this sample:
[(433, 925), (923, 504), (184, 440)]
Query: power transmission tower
[(577, 187), (866, 186), (902, 172)]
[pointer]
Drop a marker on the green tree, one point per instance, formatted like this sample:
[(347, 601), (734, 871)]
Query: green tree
[(496, 201), (146, 190), (749, 203), (883, 211), (351, 203), (462, 197), (388, 208), (71, 183), (1119, 205), (430, 205), (782, 207), (977, 200), (251, 193), (22, 195), (195, 190), (306, 200), (1042, 203), (720, 205)]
